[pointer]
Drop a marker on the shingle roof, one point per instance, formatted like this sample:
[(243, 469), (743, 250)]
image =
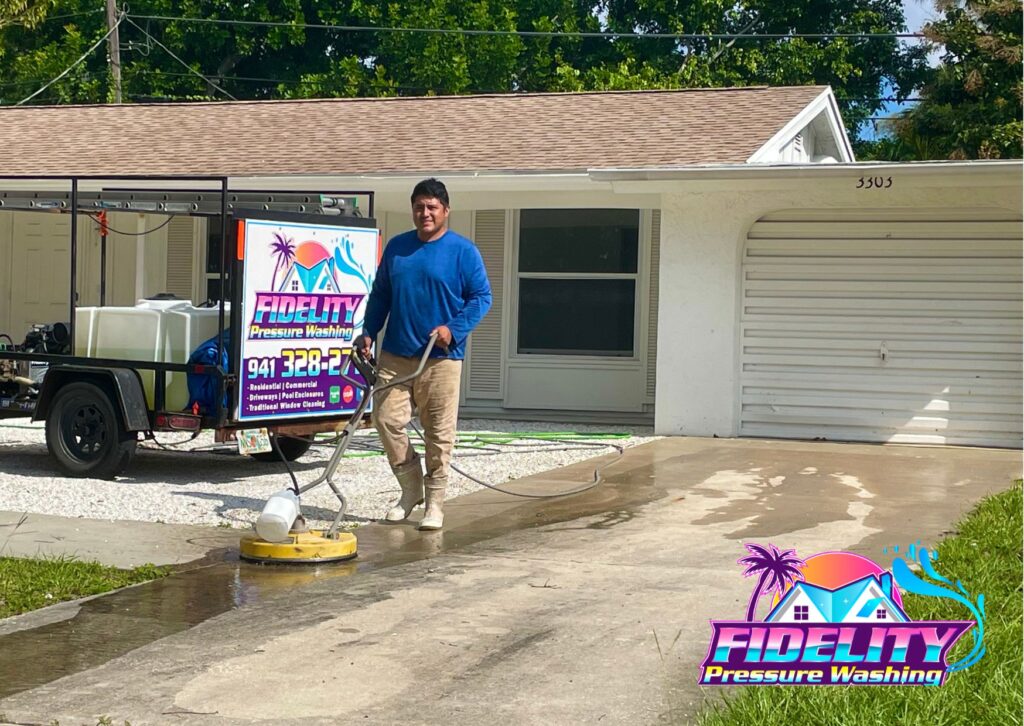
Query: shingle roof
[(515, 132)]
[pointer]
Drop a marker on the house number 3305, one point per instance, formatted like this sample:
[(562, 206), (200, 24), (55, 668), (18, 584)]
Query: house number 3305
[(874, 182)]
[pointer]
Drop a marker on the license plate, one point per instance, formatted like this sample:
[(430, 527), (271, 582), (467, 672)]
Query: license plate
[(253, 441)]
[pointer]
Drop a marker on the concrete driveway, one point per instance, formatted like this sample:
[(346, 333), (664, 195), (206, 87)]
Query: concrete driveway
[(590, 609)]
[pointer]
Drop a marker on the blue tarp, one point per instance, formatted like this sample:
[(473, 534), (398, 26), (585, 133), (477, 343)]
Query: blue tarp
[(202, 389)]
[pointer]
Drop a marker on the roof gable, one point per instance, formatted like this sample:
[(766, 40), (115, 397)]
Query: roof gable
[(835, 605), (818, 131), (513, 133)]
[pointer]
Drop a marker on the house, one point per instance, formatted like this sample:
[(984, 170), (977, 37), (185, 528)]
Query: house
[(867, 600), (318, 278), (713, 262)]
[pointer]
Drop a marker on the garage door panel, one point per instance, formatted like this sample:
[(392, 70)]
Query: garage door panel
[(883, 328), (895, 347), (996, 331), (852, 365), (840, 304), (900, 214), (883, 434), (972, 384), (891, 229), (966, 422), (774, 401), (899, 289), (951, 270), (967, 314), (813, 251)]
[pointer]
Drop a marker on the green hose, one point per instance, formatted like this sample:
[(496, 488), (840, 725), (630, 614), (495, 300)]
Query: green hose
[(482, 439)]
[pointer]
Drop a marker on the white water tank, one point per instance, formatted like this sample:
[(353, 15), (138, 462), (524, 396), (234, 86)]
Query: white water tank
[(184, 329), (152, 331)]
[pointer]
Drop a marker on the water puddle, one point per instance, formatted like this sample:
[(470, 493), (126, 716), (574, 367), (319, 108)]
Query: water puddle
[(111, 625)]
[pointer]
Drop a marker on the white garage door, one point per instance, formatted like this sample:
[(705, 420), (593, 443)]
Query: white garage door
[(896, 325)]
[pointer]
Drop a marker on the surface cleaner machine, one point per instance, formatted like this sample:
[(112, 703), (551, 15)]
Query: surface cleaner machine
[(281, 534)]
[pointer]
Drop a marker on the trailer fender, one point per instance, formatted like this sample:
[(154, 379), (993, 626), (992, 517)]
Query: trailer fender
[(123, 384)]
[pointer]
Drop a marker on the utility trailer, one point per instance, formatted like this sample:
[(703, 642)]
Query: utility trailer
[(295, 272)]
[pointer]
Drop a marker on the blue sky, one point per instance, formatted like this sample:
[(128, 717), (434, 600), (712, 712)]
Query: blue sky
[(917, 13)]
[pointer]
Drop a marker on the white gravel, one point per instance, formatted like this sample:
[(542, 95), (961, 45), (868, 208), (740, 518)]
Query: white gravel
[(219, 487)]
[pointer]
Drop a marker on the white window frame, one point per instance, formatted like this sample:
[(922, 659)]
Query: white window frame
[(202, 277), (640, 284)]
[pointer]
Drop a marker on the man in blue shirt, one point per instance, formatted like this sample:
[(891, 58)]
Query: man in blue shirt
[(430, 280)]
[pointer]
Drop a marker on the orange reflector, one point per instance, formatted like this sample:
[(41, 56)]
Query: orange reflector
[(240, 253)]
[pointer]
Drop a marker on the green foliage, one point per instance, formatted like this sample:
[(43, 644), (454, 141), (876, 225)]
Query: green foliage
[(972, 106), (295, 62), (986, 555), (856, 68), (29, 584), (23, 12)]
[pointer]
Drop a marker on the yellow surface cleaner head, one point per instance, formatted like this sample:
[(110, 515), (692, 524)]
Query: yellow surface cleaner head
[(312, 546)]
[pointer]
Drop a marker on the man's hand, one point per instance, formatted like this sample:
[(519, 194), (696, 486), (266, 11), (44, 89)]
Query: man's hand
[(444, 336), (362, 344)]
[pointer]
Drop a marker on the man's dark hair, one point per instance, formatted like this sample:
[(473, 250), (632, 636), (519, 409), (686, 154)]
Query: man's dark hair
[(431, 188)]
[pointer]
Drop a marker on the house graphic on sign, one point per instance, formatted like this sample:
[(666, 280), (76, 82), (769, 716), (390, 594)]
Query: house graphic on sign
[(867, 600), (313, 271)]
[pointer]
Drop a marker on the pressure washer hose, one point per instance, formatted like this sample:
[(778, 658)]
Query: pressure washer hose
[(505, 440), (598, 478)]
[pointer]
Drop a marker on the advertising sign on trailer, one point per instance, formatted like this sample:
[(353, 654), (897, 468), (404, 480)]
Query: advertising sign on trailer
[(303, 302)]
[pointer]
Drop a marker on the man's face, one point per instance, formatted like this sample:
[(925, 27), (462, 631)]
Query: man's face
[(429, 214)]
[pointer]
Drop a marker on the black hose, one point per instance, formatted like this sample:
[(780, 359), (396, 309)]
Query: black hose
[(280, 454), (598, 478), (107, 227)]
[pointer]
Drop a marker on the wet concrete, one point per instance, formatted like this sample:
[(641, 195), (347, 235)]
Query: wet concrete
[(96, 630), (581, 609)]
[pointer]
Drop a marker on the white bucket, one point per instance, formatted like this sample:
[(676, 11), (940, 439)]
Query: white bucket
[(277, 517)]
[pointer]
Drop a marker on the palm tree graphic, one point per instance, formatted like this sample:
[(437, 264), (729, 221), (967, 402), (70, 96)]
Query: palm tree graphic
[(777, 569), (284, 248)]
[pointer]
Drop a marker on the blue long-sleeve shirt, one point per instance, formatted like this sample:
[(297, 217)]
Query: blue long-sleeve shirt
[(421, 285)]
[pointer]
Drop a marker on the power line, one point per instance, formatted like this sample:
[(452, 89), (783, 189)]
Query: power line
[(60, 17), (23, 24), (521, 33), (171, 53), (294, 81), (72, 15), (887, 99), (75, 64)]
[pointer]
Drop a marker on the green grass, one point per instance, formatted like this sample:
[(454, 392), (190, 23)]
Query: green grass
[(986, 555), (29, 584)]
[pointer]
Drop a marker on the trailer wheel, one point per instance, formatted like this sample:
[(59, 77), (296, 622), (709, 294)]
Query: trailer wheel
[(85, 435), (290, 447)]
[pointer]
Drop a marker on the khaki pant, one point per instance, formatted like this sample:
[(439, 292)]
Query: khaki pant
[(435, 393)]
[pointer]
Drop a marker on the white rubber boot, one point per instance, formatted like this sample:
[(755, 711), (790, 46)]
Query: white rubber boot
[(410, 478), (434, 489)]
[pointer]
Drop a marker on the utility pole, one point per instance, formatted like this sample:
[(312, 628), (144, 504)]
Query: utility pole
[(115, 49)]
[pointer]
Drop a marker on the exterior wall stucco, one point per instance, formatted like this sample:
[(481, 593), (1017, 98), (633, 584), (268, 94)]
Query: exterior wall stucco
[(703, 233)]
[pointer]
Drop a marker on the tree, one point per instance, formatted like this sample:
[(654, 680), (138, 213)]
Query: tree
[(776, 569), (23, 12), (246, 61), (971, 107), (283, 248), (297, 62), (858, 69)]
